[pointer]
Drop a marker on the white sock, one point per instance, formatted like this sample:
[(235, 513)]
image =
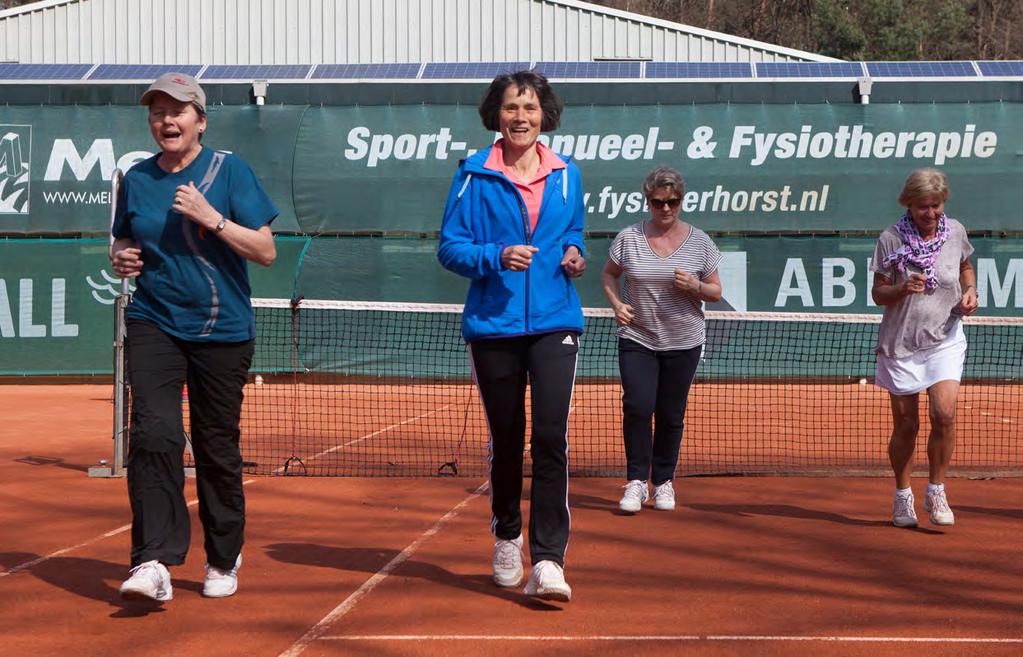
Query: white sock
[(904, 492), (935, 488)]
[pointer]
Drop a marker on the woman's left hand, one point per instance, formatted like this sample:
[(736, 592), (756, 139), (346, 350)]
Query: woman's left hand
[(573, 263), (687, 282), (968, 304), (190, 202)]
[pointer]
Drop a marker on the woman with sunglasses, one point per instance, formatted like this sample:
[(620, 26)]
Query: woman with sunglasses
[(670, 269)]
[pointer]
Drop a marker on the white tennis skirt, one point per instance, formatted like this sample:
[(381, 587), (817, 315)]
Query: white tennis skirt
[(921, 370)]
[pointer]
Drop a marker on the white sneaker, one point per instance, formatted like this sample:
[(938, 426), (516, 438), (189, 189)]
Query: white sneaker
[(664, 497), (221, 583), (547, 581), (937, 504), (508, 562), (635, 494), (149, 581), (903, 513)]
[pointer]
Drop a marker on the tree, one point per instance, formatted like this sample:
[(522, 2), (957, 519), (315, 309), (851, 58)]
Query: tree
[(10, 4), (858, 29), (838, 34)]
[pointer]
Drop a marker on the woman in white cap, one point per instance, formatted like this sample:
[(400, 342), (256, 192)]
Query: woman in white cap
[(924, 280), (187, 221)]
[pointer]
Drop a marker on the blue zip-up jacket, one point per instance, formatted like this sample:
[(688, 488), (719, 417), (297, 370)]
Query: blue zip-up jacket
[(484, 214)]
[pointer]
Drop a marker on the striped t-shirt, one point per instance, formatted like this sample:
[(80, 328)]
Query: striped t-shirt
[(664, 317)]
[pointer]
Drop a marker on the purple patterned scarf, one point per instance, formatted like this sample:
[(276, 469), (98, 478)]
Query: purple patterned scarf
[(917, 251)]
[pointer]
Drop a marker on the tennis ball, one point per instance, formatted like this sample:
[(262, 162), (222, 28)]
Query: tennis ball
[(863, 382)]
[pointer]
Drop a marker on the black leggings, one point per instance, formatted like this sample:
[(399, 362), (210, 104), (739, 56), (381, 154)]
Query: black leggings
[(501, 368), (158, 365), (655, 384)]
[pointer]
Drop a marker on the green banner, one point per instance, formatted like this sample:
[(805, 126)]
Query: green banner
[(56, 296), (56, 303), (56, 162), (763, 274), (749, 168)]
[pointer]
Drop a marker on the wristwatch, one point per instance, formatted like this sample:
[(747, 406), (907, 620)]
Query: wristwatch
[(221, 224)]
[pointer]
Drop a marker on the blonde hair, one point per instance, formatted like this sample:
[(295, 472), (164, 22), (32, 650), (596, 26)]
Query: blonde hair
[(923, 183)]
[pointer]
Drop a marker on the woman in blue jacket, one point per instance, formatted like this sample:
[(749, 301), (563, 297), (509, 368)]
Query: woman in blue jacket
[(513, 225)]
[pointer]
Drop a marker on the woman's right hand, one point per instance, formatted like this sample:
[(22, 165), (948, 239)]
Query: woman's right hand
[(518, 257), (127, 262), (623, 314), (914, 284)]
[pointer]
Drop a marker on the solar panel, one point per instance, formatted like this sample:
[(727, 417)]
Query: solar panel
[(921, 69), (256, 72), (366, 71), (1010, 68), (601, 70), (470, 70), (43, 71), (141, 71), (698, 70), (809, 70)]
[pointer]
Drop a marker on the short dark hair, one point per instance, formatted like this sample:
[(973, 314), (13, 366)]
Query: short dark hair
[(663, 177), (550, 104)]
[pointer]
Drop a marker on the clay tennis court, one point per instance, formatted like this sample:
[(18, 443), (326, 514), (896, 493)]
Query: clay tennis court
[(733, 428), (400, 566)]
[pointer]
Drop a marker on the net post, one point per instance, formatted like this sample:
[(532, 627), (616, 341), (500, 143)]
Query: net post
[(116, 467), (120, 432)]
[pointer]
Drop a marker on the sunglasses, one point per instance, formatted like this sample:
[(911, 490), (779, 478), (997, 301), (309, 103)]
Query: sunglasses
[(659, 204)]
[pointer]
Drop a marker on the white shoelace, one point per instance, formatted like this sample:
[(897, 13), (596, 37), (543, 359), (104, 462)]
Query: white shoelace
[(939, 503), (551, 570), (212, 572), (903, 506), (665, 492), (508, 554), (148, 569), (635, 490)]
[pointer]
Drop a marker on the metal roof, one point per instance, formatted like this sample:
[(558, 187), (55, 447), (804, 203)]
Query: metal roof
[(242, 32)]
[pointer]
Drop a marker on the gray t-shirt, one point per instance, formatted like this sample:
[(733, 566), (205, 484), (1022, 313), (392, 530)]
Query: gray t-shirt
[(919, 321), (665, 318)]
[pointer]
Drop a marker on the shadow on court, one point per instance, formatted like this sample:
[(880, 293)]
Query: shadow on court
[(989, 511), (371, 560), (786, 511), (50, 460), (88, 578)]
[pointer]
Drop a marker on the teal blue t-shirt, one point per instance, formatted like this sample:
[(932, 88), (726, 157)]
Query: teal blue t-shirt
[(192, 285)]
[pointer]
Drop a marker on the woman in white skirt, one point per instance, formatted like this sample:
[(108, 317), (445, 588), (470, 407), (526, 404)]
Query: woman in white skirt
[(924, 280)]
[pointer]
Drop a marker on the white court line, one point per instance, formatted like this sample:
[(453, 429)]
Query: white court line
[(317, 631), (662, 638), (369, 435), (95, 539)]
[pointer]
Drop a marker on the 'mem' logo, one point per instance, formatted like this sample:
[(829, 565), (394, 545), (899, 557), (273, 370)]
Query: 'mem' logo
[(15, 162), (101, 152)]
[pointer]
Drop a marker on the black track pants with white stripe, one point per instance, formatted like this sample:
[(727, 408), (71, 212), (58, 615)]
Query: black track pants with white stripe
[(501, 368)]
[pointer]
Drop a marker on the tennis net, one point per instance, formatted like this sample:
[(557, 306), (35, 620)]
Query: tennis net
[(384, 389)]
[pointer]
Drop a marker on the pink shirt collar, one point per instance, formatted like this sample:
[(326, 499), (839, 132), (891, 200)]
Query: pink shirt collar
[(549, 161)]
